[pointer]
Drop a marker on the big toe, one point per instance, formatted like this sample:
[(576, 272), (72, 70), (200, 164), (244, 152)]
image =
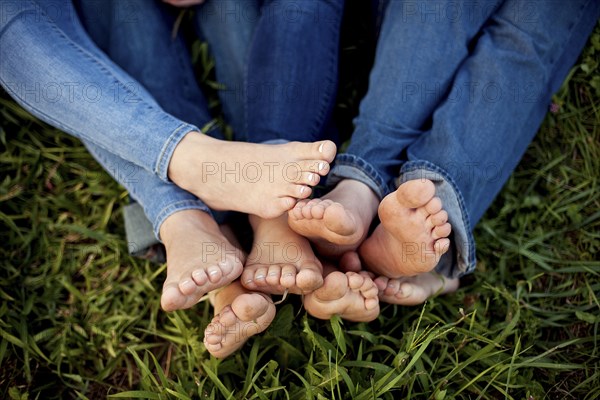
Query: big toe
[(309, 279), (171, 298), (415, 193), (335, 286), (249, 306)]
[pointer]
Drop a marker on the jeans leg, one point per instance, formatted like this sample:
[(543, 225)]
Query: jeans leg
[(228, 27), (56, 77), (420, 47), (137, 36), (479, 135), (291, 80)]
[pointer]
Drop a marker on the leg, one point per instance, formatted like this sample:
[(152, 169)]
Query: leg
[(520, 59), (228, 28), (81, 91), (291, 77), (239, 314), (399, 81)]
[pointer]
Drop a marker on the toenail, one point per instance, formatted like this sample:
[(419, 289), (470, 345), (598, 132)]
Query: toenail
[(260, 277), (302, 189), (311, 177), (249, 280), (272, 273), (321, 166), (214, 272), (288, 274)]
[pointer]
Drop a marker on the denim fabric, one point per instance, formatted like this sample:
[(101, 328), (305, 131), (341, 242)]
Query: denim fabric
[(464, 108), (53, 73), (291, 76), (146, 83)]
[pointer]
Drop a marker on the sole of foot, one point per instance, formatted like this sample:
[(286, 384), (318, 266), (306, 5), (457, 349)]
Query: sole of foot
[(413, 233), (199, 259), (414, 290), (352, 296), (259, 179), (338, 222), (280, 260), (248, 314)]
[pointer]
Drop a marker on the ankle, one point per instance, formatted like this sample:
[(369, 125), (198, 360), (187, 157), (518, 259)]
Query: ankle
[(184, 154), (183, 220)]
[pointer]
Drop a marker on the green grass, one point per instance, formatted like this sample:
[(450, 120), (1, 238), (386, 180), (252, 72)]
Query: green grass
[(79, 318)]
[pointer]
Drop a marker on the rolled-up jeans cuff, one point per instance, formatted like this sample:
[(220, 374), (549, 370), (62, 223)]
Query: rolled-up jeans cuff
[(460, 259), (162, 165), (349, 166)]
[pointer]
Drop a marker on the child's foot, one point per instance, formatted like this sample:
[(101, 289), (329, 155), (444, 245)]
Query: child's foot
[(239, 314), (199, 258), (280, 259), (339, 221), (414, 290), (413, 233), (352, 296), (260, 179)]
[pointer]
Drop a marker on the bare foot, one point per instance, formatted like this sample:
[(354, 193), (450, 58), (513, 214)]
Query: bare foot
[(339, 221), (280, 259), (239, 314), (199, 258), (414, 290), (413, 233), (260, 179), (351, 295)]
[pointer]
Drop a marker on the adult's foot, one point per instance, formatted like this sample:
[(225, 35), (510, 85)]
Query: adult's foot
[(199, 258), (260, 179), (413, 233), (239, 314), (414, 290), (280, 260), (351, 295), (338, 222)]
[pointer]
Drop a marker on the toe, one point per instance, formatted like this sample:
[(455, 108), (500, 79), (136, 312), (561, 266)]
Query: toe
[(334, 287), (438, 218), (350, 262), (214, 273), (247, 278), (199, 276), (171, 298), (249, 306), (298, 191), (355, 281), (441, 246), (274, 275), (416, 193), (371, 303), (187, 286), (288, 276), (309, 278), (441, 231), (327, 150), (434, 206), (308, 178)]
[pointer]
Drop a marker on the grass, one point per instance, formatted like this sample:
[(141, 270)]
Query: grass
[(79, 318)]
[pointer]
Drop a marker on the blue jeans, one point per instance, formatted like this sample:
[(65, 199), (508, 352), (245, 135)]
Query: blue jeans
[(110, 74), (457, 92)]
